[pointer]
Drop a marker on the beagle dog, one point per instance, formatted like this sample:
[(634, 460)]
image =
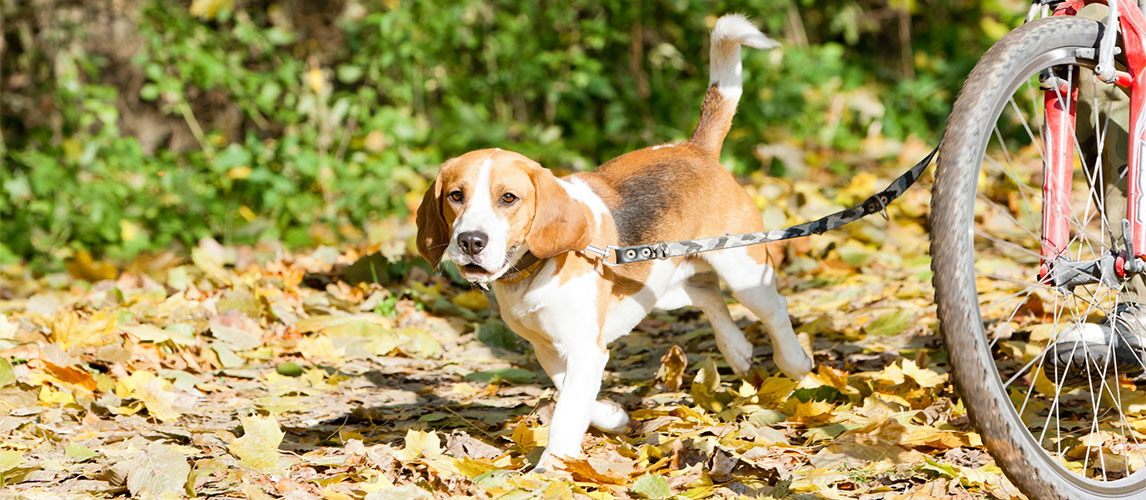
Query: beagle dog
[(507, 221)]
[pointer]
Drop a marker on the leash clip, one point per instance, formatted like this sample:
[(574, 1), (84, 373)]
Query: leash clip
[(882, 207), (602, 253), (876, 205)]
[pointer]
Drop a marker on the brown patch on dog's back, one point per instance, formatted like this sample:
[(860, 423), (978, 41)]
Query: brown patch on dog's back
[(643, 200), (675, 192)]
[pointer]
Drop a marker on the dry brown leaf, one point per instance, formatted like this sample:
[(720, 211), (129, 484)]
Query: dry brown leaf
[(598, 470), (671, 371), (67, 374)]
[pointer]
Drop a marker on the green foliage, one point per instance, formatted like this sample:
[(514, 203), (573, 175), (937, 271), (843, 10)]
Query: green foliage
[(305, 125), (497, 334), (822, 393)]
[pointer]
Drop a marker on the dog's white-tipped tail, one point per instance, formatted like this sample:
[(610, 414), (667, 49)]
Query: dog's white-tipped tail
[(724, 68), (725, 82)]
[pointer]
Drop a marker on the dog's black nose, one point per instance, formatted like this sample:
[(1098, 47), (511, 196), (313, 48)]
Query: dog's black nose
[(472, 242)]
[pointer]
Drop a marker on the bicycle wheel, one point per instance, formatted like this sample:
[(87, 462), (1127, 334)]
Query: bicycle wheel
[(997, 316)]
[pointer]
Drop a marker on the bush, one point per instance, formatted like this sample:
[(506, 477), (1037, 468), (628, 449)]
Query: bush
[(302, 121)]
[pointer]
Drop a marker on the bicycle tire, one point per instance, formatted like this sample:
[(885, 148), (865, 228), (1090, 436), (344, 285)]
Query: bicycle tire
[(979, 104)]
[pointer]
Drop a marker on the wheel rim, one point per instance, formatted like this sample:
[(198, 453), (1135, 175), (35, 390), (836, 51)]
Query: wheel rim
[(1094, 434)]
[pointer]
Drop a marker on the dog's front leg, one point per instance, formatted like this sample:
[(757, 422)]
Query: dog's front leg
[(606, 416), (585, 366)]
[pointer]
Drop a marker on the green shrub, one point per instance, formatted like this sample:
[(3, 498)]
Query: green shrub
[(332, 123)]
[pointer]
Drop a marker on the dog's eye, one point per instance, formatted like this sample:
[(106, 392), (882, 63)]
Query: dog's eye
[(508, 198), (456, 195)]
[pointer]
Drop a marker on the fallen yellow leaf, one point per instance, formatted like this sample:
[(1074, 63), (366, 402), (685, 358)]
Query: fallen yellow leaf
[(925, 377), (259, 446), (155, 394), (82, 266), (474, 300)]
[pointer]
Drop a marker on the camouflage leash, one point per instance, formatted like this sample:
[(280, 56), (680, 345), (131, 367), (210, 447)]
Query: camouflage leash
[(877, 203)]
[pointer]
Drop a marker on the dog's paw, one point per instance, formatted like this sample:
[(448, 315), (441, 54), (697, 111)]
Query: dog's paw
[(738, 354), (739, 361), (794, 363), (609, 417)]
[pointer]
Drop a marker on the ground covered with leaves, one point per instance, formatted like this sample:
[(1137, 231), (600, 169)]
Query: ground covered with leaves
[(250, 372)]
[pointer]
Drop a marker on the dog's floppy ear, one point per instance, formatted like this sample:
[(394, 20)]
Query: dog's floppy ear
[(559, 224), (433, 233)]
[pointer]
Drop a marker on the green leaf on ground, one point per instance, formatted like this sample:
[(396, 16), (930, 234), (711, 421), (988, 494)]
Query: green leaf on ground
[(652, 487), (289, 369), (7, 375), (79, 451), (495, 333), (10, 459), (891, 323)]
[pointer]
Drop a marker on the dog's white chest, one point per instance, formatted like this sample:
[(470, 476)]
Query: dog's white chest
[(545, 309)]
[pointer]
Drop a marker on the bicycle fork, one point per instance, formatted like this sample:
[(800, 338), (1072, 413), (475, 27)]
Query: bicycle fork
[(1060, 102), (1060, 99)]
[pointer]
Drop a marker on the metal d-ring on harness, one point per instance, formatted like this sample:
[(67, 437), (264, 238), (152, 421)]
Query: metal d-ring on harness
[(876, 203)]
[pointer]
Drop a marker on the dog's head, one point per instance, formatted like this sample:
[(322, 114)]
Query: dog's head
[(488, 207)]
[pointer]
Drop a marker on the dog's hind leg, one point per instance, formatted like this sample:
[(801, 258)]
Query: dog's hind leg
[(753, 282), (704, 291), (605, 415)]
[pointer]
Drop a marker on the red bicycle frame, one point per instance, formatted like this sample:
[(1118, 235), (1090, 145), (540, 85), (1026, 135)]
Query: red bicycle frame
[(1060, 102)]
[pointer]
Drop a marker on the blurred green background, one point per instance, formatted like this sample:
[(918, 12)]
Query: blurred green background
[(135, 125)]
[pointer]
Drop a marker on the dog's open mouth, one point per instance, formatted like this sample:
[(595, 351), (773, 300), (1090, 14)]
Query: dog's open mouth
[(474, 269)]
